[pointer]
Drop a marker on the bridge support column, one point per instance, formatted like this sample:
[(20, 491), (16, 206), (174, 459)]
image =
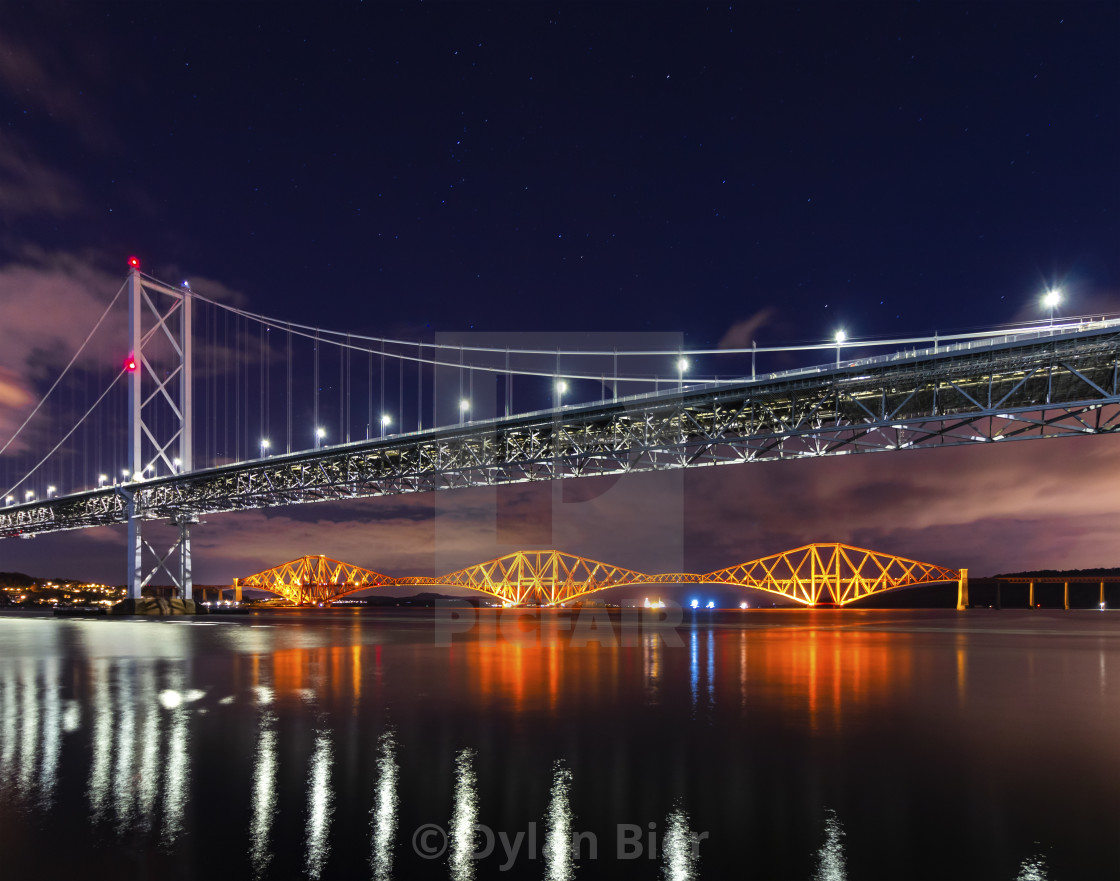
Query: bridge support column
[(135, 550), (962, 590), (1030, 601), (1067, 595), (186, 576), (237, 590)]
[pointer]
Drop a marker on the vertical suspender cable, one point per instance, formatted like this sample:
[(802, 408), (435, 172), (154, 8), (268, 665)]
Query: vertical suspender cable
[(349, 386), (289, 388), (315, 427)]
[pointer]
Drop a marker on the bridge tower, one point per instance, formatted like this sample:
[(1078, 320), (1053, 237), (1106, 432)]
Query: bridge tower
[(159, 419)]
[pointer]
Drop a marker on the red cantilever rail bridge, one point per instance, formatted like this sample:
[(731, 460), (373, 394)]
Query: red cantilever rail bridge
[(822, 573)]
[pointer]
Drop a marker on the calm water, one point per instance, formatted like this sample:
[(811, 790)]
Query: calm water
[(344, 744)]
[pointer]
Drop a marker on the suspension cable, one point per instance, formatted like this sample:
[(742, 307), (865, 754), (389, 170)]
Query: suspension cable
[(43, 400), (66, 437)]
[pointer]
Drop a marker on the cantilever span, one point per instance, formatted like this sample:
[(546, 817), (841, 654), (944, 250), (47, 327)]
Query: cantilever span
[(313, 579), (821, 573)]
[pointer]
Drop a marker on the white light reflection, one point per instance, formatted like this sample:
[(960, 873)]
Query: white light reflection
[(320, 805), (123, 792), (464, 817), (264, 792), (830, 858), (102, 738), (71, 716), (29, 722), (150, 743), (383, 821), (52, 731), (680, 852), (558, 857), (176, 753), (1033, 869), (8, 732)]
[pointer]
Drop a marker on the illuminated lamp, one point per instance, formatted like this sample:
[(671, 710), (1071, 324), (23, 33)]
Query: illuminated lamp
[(133, 262)]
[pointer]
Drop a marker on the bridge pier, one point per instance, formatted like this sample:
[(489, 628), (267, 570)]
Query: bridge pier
[(962, 590), (1067, 595), (1030, 601)]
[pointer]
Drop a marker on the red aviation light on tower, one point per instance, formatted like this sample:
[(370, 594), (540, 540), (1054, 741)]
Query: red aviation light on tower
[(133, 262), (130, 364)]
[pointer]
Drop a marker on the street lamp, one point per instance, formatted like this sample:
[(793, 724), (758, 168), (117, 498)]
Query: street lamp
[(386, 420), (51, 491), (177, 463), (320, 433), (29, 495), (1050, 300), (101, 478), (840, 337), (561, 387), (10, 500), (264, 446), (464, 407), (682, 366)]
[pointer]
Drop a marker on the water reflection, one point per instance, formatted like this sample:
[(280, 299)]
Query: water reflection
[(830, 858), (263, 798), (149, 746), (1033, 869), (464, 817), (52, 732), (8, 720), (175, 749), (320, 804), (125, 736), (99, 771), (638, 725), (383, 816), (680, 850), (558, 841)]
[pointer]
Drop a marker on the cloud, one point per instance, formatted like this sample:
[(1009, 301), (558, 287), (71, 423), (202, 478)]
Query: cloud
[(988, 507), (30, 188), (743, 333), (43, 78)]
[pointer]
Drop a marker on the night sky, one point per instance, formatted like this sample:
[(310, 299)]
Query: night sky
[(723, 172)]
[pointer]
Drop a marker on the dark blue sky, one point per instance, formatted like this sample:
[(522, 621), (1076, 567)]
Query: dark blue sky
[(892, 167), (727, 172)]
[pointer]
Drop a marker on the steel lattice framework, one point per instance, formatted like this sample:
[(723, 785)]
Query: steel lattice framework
[(832, 573), (545, 578), (312, 579), (1059, 384)]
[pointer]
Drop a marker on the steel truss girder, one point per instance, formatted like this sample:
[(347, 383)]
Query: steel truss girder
[(824, 572), (1060, 387)]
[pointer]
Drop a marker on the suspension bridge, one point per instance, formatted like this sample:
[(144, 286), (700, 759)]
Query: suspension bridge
[(205, 407)]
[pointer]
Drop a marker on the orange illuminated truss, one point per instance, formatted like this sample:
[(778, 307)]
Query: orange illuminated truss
[(819, 573), (315, 579)]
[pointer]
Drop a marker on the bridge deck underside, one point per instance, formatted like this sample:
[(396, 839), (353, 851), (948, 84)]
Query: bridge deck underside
[(1059, 387)]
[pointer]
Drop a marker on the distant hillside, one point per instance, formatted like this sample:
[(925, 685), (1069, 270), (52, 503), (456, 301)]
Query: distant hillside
[(17, 579)]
